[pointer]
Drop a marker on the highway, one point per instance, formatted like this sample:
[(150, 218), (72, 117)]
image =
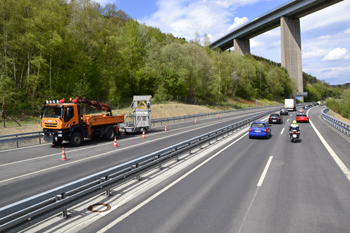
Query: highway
[(240, 185), (28, 171)]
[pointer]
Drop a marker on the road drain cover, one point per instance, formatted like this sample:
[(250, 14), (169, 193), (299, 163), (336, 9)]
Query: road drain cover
[(99, 207)]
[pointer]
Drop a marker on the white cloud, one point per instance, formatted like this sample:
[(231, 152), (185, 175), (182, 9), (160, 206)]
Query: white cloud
[(313, 52), (336, 54), (327, 37), (237, 23), (185, 17), (347, 31)]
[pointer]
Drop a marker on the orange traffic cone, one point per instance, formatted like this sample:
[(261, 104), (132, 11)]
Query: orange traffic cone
[(166, 129), (195, 120), (115, 142), (63, 157), (218, 114), (143, 134)]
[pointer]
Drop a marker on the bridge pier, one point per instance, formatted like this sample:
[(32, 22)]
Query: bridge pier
[(291, 50), (241, 46)]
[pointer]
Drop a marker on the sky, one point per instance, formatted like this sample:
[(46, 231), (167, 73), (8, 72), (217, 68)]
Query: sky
[(325, 34)]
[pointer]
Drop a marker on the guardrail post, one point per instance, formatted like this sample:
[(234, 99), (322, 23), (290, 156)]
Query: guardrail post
[(58, 198), (17, 141), (108, 192), (137, 177)]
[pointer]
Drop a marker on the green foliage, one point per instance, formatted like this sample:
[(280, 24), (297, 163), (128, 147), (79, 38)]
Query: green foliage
[(341, 106), (60, 48)]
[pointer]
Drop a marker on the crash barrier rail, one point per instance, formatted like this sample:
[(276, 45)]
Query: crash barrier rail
[(27, 212), (34, 135), (339, 125), (20, 137), (201, 115)]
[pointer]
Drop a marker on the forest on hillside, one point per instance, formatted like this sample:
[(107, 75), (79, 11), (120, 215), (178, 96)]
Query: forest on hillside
[(60, 49)]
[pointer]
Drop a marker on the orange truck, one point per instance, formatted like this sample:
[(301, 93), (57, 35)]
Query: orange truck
[(63, 121)]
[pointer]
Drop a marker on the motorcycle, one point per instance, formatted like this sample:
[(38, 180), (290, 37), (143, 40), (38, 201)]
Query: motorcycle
[(294, 135)]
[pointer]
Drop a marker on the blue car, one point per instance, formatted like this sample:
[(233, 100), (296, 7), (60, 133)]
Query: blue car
[(259, 129)]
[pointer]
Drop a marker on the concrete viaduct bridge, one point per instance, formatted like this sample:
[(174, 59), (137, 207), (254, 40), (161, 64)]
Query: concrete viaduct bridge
[(286, 16)]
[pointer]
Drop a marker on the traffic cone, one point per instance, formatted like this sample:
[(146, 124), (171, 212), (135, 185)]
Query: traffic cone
[(143, 134), (195, 120), (63, 157), (166, 129), (115, 142), (218, 114)]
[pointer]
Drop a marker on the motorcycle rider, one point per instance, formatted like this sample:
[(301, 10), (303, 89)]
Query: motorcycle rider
[(294, 125)]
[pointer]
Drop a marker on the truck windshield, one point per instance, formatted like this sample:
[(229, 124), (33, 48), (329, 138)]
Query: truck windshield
[(53, 112)]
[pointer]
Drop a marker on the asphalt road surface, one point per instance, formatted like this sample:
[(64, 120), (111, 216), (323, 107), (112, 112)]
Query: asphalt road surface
[(242, 185), (254, 185), (25, 172)]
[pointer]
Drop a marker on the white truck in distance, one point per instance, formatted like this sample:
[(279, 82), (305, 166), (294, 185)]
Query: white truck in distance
[(290, 105)]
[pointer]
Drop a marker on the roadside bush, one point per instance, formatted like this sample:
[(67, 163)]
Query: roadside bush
[(341, 106)]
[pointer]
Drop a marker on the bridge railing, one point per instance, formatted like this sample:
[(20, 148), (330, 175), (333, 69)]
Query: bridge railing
[(339, 125), (27, 212)]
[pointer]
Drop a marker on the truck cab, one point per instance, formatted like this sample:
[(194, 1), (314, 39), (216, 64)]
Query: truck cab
[(63, 121), (58, 120)]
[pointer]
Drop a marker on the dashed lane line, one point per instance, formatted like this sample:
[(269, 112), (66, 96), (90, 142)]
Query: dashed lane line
[(261, 180), (91, 157), (103, 144), (234, 115), (116, 221)]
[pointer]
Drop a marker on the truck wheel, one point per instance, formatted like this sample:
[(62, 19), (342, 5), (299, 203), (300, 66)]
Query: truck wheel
[(76, 139), (110, 133)]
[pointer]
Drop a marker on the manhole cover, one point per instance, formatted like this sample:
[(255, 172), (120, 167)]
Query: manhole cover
[(99, 207)]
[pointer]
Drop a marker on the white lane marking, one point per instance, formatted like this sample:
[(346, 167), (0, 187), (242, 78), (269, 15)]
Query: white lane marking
[(287, 119), (332, 153), (128, 139), (264, 172), (201, 122), (282, 131), (21, 148), (124, 140), (248, 210), (115, 222), (95, 156)]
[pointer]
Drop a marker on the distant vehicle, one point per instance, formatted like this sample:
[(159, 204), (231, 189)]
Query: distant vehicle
[(259, 129), (302, 117), (300, 110), (275, 118), (283, 111), (294, 134), (290, 105)]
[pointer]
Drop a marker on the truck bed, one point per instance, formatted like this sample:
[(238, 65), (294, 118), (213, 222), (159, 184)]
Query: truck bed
[(97, 120)]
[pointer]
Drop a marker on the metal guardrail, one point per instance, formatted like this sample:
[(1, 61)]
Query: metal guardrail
[(34, 135), (201, 115), (339, 125), (21, 137), (22, 214)]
